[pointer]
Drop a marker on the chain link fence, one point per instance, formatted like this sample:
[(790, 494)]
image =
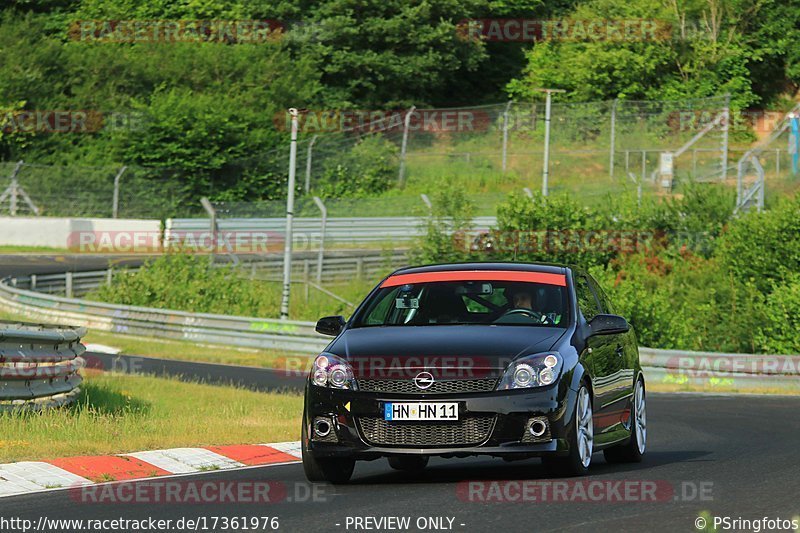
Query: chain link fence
[(380, 163)]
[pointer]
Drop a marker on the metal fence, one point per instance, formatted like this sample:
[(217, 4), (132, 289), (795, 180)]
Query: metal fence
[(39, 365), (488, 150)]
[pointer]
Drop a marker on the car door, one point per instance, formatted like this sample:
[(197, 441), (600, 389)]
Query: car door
[(620, 366), (599, 352)]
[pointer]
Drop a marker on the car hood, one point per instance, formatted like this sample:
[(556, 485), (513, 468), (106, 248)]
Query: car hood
[(381, 350)]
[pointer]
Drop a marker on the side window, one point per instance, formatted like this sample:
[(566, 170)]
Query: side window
[(587, 301), (605, 303)]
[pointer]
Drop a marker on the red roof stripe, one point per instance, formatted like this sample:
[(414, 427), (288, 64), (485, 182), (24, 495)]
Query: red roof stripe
[(477, 275)]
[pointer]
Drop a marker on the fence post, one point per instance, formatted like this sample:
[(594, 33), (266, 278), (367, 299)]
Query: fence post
[(212, 214), (777, 161), (403, 147), (12, 191), (308, 163), (323, 223), (306, 267), (109, 275), (426, 201), (359, 268), (727, 119), (694, 162), (644, 164), (33, 282), (115, 200), (505, 134), (68, 284), (613, 135), (546, 164), (287, 247)]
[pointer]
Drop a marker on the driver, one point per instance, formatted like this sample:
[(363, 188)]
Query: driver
[(522, 299)]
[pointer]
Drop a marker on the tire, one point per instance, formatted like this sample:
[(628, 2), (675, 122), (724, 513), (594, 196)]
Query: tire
[(409, 463), (319, 470), (633, 450), (581, 441)]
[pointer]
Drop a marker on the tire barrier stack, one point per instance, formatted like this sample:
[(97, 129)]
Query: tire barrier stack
[(39, 365)]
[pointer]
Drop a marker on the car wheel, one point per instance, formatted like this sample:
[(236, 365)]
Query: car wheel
[(634, 449), (320, 470), (408, 463), (581, 440)]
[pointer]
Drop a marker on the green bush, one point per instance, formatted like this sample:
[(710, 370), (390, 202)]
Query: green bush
[(779, 332), (684, 301), (764, 247), (369, 168), (446, 228)]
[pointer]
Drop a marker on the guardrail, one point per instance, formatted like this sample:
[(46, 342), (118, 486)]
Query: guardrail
[(744, 372), (337, 229), (39, 365), (251, 332)]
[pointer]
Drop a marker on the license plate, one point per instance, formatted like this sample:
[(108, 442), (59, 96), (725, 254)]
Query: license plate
[(398, 411)]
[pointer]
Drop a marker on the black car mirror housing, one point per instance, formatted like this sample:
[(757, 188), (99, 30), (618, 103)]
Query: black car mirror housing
[(608, 325), (330, 325)]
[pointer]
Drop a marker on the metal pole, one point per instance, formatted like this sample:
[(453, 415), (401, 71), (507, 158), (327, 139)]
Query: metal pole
[(308, 163), (324, 222), (546, 164), (777, 161), (505, 134), (694, 162), (15, 188), (406, 125), (287, 247), (727, 113), (613, 134), (644, 164), (115, 201), (212, 215), (426, 201)]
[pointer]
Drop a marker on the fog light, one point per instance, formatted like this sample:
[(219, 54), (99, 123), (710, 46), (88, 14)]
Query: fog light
[(322, 428), (524, 375)]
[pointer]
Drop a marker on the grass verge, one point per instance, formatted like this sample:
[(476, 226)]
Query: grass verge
[(721, 389), (121, 413)]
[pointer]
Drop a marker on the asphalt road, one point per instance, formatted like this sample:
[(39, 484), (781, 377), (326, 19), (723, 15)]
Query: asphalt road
[(727, 456), (259, 379)]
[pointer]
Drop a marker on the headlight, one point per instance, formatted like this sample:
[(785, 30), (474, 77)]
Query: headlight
[(531, 371), (332, 371)]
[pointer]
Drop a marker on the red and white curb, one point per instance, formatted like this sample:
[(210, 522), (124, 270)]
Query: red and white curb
[(34, 476)]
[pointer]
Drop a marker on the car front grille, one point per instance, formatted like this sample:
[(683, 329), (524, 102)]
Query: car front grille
[(444, 386), (469, 431)]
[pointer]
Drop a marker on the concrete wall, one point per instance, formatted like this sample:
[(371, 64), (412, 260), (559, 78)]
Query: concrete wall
[(80, 234)]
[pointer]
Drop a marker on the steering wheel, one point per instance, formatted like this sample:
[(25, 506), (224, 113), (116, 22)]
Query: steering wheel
[(536, 316)]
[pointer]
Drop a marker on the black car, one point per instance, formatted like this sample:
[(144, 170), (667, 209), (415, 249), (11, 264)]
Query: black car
[(510, 360)]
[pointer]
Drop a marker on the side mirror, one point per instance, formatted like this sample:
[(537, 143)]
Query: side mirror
[(608, 325), (330, 325)]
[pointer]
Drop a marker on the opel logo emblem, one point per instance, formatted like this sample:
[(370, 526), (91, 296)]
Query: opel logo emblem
[(424, 380)]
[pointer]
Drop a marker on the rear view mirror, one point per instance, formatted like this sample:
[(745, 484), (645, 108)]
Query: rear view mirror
[(330, 325), (608, 325)]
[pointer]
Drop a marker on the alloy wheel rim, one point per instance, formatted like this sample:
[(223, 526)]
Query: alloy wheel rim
[(585, 427), (640, 419)]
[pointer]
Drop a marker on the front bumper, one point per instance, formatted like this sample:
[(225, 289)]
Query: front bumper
[(507, 411)]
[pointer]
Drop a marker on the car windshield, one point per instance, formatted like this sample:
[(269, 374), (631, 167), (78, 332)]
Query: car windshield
[(466, 302)]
